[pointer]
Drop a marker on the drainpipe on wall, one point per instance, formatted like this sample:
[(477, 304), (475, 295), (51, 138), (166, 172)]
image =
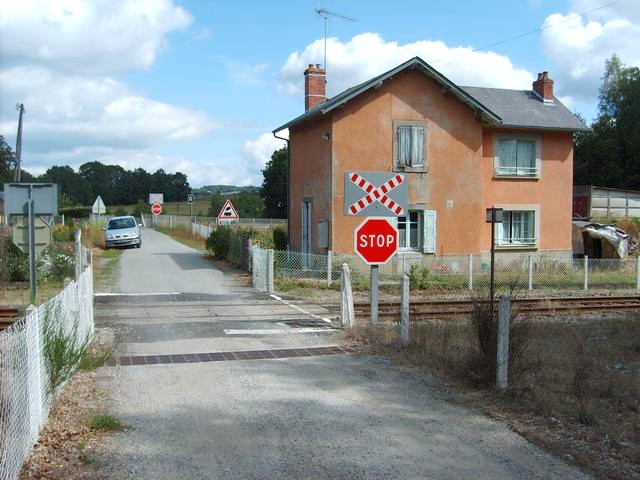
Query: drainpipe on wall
[(288, 191)]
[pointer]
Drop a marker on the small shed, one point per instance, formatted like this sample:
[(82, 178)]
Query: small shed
[(599, 241)]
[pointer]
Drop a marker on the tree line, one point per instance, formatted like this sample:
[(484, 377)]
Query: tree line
[(609, 155), (116, 185)]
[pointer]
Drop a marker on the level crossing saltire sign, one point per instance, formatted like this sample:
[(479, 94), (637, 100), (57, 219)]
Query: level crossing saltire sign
[(156, 198), (227, 213), (375, 194)]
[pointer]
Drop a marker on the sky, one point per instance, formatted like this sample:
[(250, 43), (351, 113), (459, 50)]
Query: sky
[(198, 86)]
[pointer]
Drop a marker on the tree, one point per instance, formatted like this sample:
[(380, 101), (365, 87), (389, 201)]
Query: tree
[(217, 201), (7, 161), (609, 155), (75, 188), (248, 204), (274, 185)]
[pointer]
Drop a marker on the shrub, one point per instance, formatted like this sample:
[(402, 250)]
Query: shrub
[(76, 212), (279, 238), (63, 350), (64, 233), (218, 242), (120, 212), (56, 262), (139, 209), (15, 263)]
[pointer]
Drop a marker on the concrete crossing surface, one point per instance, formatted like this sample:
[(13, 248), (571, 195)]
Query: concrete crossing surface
[(215, 380)]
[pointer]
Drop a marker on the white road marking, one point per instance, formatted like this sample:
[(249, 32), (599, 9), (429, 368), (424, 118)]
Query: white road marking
[(107, 294), (233, 331), (299, 309)]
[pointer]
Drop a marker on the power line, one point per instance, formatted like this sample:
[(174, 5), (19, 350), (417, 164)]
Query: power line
[(545, 27), (539, 29)]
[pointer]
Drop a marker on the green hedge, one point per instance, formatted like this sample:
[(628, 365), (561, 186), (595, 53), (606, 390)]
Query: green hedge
[(76, 212)]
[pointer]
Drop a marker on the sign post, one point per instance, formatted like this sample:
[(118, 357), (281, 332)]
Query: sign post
[(376, 241), (375, 194), (494, 215), (190, 202)]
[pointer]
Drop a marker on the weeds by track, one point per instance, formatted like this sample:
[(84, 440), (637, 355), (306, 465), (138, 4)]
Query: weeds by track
[(433, 309)]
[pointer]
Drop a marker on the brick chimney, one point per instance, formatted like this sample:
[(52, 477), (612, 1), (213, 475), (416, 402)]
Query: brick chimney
[(543, 86), (314, 86)]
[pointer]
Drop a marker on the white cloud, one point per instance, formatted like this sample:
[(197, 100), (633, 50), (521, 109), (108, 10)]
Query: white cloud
[(80, 111), (629, 9), (368, 54), (88, 36), (579, 47), (257, 152)]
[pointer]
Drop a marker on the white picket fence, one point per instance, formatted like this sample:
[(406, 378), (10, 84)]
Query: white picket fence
[(25, 396)]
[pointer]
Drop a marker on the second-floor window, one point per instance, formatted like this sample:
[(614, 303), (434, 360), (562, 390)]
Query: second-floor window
[(410, 145), (516, 157)]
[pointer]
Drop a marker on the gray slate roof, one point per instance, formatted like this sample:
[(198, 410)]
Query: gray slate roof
[(522, 109)]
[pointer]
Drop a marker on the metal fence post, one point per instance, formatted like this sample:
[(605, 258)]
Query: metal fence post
[(470, 271), (347, 312), (502, 339), (586, 272), (530, 272), (78, 252), (404, 311), (254, 268), (270, 286), (638, 273), (329, 266)]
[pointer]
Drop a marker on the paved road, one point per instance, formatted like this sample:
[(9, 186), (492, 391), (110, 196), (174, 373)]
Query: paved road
[(312, 417)]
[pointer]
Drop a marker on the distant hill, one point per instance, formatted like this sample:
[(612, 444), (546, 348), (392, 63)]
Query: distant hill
[(207, 190)]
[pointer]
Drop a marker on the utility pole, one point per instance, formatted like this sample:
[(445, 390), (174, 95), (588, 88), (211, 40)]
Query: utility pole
[(16, 176)]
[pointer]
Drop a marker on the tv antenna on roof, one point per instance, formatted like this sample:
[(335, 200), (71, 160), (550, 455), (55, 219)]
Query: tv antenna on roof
[(325, 14)]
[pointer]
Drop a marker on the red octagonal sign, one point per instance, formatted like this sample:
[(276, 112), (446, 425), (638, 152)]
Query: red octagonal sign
[(376, 241), (156, 209)]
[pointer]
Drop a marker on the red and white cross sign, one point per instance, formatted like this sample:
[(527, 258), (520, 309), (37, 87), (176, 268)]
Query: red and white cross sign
[(376, 194)]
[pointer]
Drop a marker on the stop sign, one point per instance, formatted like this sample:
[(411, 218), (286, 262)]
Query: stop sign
[(156, 209), (376, 241)]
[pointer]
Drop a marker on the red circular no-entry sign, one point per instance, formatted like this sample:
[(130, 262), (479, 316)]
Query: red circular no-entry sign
[(376, 241), (156, 209)]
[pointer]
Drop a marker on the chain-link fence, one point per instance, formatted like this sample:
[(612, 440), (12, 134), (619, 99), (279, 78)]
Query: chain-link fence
[(26, 368), (461, 275)]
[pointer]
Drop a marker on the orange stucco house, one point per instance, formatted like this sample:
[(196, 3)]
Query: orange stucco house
[(464, 149)]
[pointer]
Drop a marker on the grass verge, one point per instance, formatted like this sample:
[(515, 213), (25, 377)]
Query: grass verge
[(184, 236), (575, 388)]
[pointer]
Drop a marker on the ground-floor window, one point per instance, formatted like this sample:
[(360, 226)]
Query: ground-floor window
[(517, 228), (417, 231)]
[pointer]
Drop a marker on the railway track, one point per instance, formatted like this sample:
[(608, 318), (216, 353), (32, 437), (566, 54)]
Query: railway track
[(435, 309), (8, 316)]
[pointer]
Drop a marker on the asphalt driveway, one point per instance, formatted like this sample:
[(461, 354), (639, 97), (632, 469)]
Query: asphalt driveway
[(305, 412)]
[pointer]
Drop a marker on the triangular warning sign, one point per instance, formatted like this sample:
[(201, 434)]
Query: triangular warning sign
[(228, 212)]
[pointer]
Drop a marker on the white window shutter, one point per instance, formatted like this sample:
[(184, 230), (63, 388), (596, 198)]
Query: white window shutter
[(429, 231)]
